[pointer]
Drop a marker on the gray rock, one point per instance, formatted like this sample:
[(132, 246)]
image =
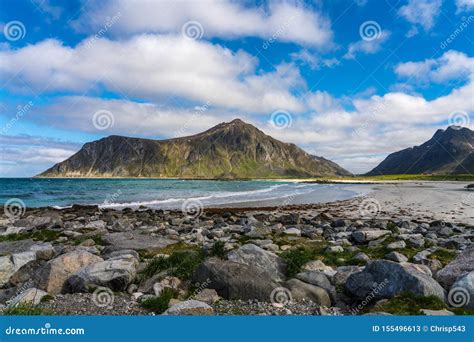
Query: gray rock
[(334, 249), (255, 256), (116, 274), (56, 272), (397, 257), (443, 312), (365, 235), (10, 264), (464, 263), (136, 241), (208, 296), (462, 291), (343, 272), (396, 245), (233, 280), (390, 279), (361, 257), (29, 296), (317, 279), (302, 291), (190, 308), (292, 232)]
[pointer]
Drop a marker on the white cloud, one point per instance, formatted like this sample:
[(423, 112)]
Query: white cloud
[(421, 12), (289, 21), (464, 5), (312, 59), (451, 65), (367, 46), (25, 156), (153, 67)]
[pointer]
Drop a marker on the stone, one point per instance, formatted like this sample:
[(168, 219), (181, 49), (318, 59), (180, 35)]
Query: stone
[(361, 257), (334, 249), (292, 232), (29, 296), (115, 273), (302, 291), (390, 279), (463, 263), (57, 271), (137, 241), (190, 308), (343, 272), (364, 236), (208, 296), (317, 279), (255, 256), (318, 265), (462, 291), (234, 280), (397, 257), (396, 245), (7, 269)]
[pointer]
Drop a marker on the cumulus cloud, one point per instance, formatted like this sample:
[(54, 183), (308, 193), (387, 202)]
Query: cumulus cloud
[(285, 20), (153, 67), (25, 155), (421, 13), (367, 46), (451, 65)]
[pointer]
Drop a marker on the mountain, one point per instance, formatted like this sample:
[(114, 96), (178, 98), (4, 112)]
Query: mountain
[(449, 151), (229, 150)]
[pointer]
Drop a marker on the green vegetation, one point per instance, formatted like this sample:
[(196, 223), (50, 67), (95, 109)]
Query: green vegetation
[(180, 264), (410, 304), (445, 256), (296, 258), (159, 304), (218, 249), (45, 235), (25, 309)]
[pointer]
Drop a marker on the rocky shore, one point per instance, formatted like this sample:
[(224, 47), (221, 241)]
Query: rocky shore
[(292, 260)]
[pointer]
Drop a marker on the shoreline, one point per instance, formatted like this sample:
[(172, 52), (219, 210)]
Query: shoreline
[(230, 261)]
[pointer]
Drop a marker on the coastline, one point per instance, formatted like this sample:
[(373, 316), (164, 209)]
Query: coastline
[(241, 255)]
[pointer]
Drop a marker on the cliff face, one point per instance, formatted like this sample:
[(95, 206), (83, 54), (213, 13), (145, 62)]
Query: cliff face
[(449, 151), (229, 150)]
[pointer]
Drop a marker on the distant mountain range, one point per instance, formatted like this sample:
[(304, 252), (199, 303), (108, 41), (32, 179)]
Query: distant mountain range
[(227, 151), (449, 151)]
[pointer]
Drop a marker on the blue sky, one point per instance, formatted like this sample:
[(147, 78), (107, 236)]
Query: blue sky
[(351, 80)]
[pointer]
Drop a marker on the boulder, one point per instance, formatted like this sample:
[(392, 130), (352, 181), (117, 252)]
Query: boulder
[(208, 296), (317, 279), (190, 308), (464, 263), (386, 279), (57, 271), (137, 241), (301, 291), (366, 235), (29, 296), (234, 280), (397, 257), (7, 269), (255, 256), (114, 273), (462, 292)]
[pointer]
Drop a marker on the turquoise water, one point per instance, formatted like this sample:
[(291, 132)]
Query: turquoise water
[(168, 194)]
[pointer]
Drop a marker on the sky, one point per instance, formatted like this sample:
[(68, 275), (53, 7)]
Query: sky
[(349, 80)]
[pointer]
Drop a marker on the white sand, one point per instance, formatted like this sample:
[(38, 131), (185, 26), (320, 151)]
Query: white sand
[(448, 201)]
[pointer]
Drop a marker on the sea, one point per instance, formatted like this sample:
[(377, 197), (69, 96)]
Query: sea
[(170, 193)]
